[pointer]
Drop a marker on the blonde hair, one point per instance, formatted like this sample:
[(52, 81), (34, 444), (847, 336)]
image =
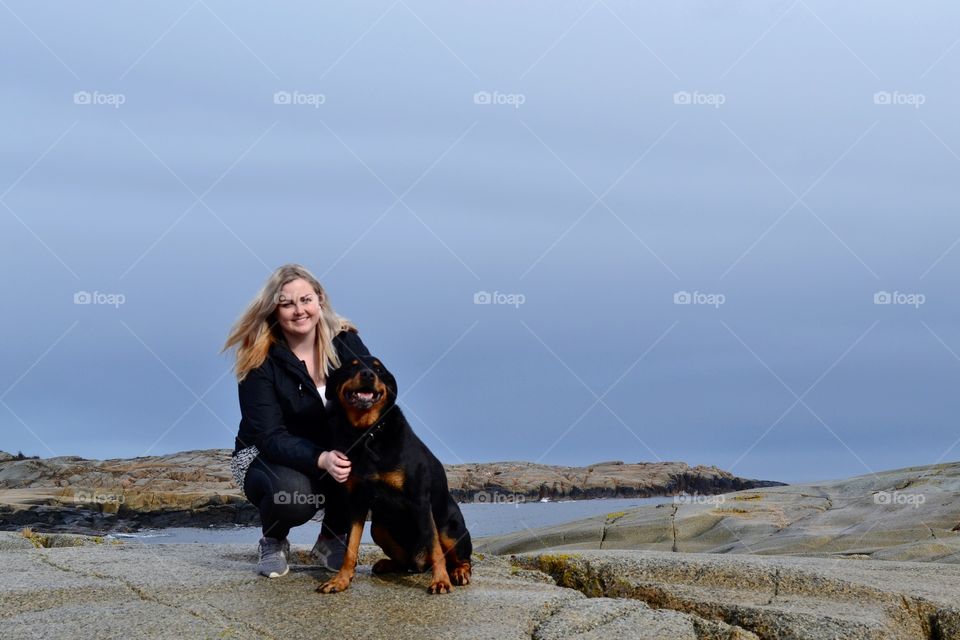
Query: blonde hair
[(257, 327)]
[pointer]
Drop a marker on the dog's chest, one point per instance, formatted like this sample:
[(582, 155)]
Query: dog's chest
[(386, 480), (379, 485)]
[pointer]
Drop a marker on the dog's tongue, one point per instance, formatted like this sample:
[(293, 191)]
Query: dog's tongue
[(365, 395)]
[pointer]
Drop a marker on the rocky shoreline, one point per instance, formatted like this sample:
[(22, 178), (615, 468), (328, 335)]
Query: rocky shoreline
[(910, 514), (196, 489), (69, 587), (874, 557)]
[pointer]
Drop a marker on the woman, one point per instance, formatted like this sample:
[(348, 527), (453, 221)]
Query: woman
[(288, 340)]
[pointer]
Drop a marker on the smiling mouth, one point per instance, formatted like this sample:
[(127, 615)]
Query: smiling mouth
[(363, 398)]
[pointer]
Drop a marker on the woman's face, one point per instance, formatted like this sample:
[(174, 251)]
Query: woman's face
[(298, 309)]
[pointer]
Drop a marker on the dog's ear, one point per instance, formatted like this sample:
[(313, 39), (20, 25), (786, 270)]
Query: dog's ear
[(391, 384), (376, 364)]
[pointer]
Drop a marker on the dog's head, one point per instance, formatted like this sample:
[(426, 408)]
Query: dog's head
[(364, 390)]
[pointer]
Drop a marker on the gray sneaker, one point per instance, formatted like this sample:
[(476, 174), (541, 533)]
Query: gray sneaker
[(273, 557), (328, 551)]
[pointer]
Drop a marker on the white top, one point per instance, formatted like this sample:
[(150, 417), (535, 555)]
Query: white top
[(321, 389)]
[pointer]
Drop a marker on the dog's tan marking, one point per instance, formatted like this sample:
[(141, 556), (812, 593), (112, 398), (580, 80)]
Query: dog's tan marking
[(459, 570), (440, 581), (342, 580), (395, 478)]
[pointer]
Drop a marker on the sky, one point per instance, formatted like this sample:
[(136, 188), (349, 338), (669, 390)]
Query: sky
[(716, 232)]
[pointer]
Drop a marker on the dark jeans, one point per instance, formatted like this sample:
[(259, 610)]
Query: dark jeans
[(288, 498)]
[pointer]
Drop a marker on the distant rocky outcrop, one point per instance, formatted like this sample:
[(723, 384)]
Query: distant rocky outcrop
[(4, 456), (473, 482), (69, 493), (195, 488)]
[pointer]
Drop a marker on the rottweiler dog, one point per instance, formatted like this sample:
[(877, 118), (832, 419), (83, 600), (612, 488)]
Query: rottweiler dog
[(395, 477)]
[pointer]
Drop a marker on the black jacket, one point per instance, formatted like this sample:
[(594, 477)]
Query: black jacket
[(281, 411)]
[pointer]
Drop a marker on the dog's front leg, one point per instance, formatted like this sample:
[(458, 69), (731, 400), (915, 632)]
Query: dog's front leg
[(440, 581), (342, 580)]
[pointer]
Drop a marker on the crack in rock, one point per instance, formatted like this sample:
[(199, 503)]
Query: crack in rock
[(609, 520), (673, 523), (146, 596), (776, 585)]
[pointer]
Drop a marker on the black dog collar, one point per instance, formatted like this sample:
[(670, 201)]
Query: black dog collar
[(373, 432)]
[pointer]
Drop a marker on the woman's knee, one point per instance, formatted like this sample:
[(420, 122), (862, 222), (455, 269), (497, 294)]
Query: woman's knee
[(282, 493)]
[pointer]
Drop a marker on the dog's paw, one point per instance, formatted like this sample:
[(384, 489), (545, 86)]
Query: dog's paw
[(440, 585), (336, 583), (460, 575)]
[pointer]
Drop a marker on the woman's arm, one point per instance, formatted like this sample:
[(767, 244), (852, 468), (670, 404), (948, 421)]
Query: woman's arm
[(261, 411)]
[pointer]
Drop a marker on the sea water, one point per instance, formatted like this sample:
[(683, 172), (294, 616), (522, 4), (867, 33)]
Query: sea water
[(482, 519)]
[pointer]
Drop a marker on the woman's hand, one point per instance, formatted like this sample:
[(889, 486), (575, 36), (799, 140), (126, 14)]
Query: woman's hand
[(336, 464)]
